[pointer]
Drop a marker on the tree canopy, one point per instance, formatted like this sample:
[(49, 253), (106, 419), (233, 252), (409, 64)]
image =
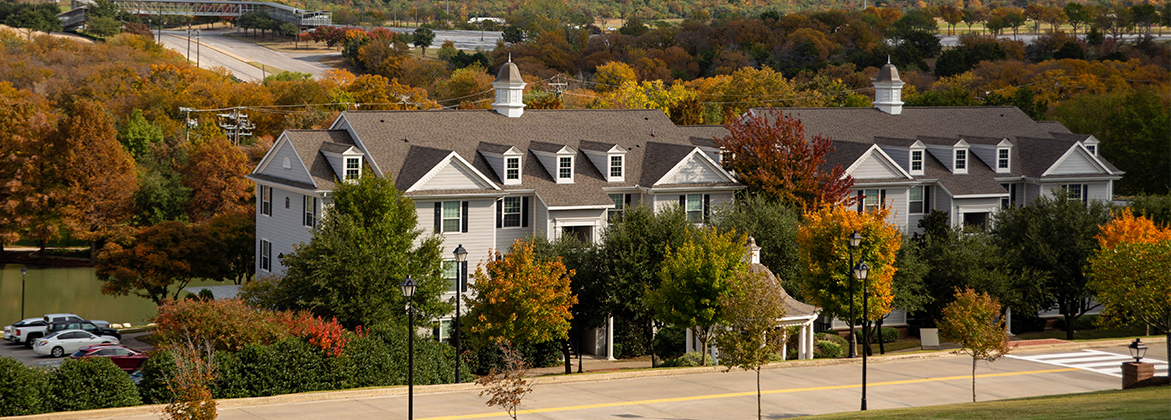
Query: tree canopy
[(973, 320), (521, 299)]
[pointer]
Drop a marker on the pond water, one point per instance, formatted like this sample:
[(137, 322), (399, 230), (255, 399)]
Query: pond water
[(75, 290)]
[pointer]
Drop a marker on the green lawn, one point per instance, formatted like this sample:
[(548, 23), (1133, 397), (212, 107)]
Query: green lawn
[(1094, 334), (1143, 403)]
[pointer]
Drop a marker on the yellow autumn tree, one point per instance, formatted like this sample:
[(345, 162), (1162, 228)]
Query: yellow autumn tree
[(612, 75), (1125, 227), (649, 95), (521, 299), (824, 250)]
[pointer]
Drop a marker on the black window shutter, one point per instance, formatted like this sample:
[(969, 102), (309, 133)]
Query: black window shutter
[(465, 218), (861, 201), (683, 202), (628, 200), (1085, 193), (882, 198), (927, 205), (304, 220), (524, 212), (499, 213), (438, 216), (707, 201)]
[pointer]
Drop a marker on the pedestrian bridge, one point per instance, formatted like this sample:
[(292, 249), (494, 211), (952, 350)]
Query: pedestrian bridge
[(223, 9)]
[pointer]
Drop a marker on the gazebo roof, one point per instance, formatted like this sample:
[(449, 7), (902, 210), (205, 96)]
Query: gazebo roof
[(793, 307)]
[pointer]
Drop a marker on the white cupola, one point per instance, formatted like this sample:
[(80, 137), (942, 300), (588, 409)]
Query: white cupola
[(509, 89), (888, 90)]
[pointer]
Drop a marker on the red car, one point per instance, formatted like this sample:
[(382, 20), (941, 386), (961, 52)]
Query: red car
[(127, 359)]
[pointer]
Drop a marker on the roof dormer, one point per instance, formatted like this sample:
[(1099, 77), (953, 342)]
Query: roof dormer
[(345, 159), (1004, 157), (916, 158), (505, 160), (961, 159), (1091, 145), (611, 161), (559, 162)]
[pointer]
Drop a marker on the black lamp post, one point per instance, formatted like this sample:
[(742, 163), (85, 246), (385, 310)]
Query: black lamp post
[(1137, 349), (860, 273), (461, 258), (23, 272), (408, 289), (855, 241)]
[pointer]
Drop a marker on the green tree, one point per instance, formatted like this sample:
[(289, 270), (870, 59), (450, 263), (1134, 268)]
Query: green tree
[(520, 299), (632, 251), (236, 231), (161, 194), (138, 134), (751, 335), (360, 252), (973, 320), (1054, 237), (588, 284), (1131, 282), (103, 26), (423, 38), (1132, 127), (692, 278), (772, 225)]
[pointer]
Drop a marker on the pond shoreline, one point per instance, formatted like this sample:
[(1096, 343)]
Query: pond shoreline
[(29, 256)]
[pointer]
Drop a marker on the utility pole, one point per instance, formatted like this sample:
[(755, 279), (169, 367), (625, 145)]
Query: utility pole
[(188, 44), (196, 48)]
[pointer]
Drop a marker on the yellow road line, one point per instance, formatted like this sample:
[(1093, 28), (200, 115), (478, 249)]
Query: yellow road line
[(744, 394)]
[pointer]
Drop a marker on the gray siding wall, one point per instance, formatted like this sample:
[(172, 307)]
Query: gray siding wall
[(541, 219), (481, 233), (873, 168), (1098, 190), (296, 171), (454, 177), (283, 228), (1076, 163)]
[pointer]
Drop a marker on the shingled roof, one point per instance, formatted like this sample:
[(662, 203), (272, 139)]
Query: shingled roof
[(407, 144), (309, 143)]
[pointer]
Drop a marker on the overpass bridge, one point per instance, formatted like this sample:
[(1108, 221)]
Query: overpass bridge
[(223, 9)]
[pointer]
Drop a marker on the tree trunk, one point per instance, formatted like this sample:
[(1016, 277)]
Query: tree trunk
[(881, 341), (568, 359), (651, 341), (759, 416), (973, 378), (41, 255), (579, 351), (1069, 325)]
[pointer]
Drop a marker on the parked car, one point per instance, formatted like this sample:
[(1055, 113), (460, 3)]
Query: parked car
[(10, 330), (29, 334), (60, 343), (90, 326), (126, 358)]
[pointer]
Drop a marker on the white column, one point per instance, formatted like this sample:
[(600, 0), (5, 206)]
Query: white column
[(1008, 321), (808, 330), (610, 338), (688, 342)]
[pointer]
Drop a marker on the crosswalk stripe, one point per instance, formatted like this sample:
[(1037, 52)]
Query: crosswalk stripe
[(1095, 361)]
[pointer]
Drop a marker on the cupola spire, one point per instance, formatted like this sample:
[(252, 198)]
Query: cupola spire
[(888, 90), (509, 90)]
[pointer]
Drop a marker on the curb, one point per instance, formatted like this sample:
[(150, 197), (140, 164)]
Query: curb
[(113, 413)]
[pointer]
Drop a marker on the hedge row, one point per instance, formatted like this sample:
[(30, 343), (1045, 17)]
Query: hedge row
[(292, 365), (85, 384)]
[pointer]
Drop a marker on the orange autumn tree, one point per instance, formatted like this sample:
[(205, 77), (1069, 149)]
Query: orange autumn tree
[(215, 173), (973, 320), (1125, 227), (824, 250), (771, 155), (520, 299)]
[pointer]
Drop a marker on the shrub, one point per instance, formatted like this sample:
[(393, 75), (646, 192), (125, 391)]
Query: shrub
[(1084, 322), (22, 388), (832, 337), (228, 323), (690, 359), (889, 335), (367, 362), (826, 350), (288, 366), (1021, 324), (156, 371), (89, 384), (669, 343)]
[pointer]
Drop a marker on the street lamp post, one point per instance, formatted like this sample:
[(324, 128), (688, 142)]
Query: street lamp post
[(1137, 349), (23, 272), (855, 241), (189, 44), (461, 258), (197, 48), (860, 272), (297, 36), (408, 289)]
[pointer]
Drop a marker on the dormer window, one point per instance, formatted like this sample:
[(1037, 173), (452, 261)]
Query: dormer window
[(353, 168), (916, 162), (960, 165), (1002, 160), (616, 166), (564, 168), (512, 169), (1093, 149)]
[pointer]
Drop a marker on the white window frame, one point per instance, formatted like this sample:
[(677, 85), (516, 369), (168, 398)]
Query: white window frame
[(458, 219), (911, 199), (565, 167), (960, 162), (353, 173), (265, 255), (515, 205), (619, 207), (266, 200), (616, 166), (309, 217), (1092, 148), (452, 281), (871, 201), (511, 172), (1003, 160), (916, 160), (694, 215)]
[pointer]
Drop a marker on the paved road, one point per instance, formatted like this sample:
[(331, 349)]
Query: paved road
[(951, 41), (788, 392), (233, 54)]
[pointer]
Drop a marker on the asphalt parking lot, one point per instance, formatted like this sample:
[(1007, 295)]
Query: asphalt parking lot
[(26, 355)]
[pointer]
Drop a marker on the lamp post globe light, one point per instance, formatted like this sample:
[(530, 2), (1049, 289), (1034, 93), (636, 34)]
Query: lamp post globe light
[(1138, 350), (855, 241), (461, 259), (860, 272), (408, 288)]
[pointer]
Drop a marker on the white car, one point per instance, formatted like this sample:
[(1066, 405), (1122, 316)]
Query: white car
[(65, 342), (9, 330)]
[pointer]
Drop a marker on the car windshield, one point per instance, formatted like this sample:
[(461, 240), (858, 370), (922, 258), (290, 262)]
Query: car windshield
[(80, 353)]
